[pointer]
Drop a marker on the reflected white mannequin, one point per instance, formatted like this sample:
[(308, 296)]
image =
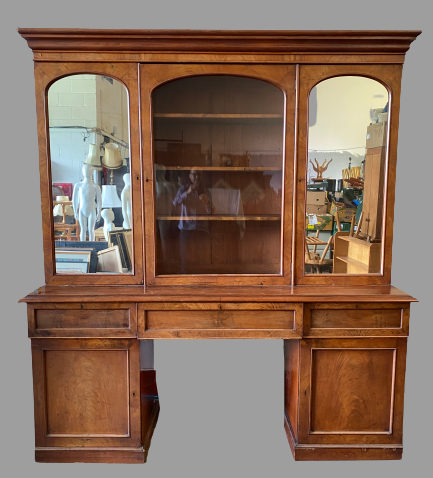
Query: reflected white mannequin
[(126, 202), (86, 201), (108, 217)]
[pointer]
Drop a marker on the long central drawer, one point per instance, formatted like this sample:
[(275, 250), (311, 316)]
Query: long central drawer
[(219, 320)]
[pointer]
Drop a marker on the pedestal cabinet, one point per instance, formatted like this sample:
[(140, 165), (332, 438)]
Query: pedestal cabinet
[(197, 155)]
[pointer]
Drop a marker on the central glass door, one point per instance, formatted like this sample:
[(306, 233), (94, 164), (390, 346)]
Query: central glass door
[(218, 149)]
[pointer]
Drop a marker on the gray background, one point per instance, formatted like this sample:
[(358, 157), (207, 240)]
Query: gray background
[(222, 401)]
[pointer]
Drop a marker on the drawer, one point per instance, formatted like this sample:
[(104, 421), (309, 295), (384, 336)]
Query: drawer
[(356, 320), (219, 320), (82, 320)]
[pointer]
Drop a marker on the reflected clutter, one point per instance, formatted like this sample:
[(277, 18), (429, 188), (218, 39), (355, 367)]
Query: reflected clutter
[(89, 133), (344, 210)]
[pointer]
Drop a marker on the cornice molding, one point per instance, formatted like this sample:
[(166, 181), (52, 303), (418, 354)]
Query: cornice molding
[(324, 42)]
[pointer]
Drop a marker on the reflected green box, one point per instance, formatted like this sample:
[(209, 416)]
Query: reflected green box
[(324, 223)]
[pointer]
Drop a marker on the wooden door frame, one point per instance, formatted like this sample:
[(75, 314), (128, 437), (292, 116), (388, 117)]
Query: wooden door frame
[(154, 75), (45, 75), (310, 75)]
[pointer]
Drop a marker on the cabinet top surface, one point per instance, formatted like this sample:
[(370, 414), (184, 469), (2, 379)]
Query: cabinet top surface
[(218, 293), (276, 41)]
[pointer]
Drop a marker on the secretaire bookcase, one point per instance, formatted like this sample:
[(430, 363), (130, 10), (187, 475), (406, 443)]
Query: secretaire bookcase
[(217, 184)]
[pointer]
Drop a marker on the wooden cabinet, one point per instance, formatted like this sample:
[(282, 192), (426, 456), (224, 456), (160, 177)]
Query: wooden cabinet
[(349, 400), (87, 395), (214, 135)]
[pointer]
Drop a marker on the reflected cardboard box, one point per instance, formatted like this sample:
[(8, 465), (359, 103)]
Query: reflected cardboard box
[(345, 214), (316, 197), (319, 222), (377, 135), (317, 209)]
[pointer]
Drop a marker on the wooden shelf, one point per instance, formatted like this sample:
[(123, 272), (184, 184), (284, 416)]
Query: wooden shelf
[(354, 262), (215, 217), (220, 118), (246, 268), (223, 168), (354, 240), (355, 256)]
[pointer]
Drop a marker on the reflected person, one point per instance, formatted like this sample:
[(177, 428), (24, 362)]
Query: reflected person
[(193, 199)]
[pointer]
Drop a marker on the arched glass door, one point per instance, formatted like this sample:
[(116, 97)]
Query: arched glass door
[(218, 144)]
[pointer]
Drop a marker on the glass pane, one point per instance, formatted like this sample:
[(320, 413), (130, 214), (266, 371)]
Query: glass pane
[(218, 155), (89, 147), (348, 136)]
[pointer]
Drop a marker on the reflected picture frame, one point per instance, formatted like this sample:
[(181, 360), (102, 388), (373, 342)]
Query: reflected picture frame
[(72, 262)]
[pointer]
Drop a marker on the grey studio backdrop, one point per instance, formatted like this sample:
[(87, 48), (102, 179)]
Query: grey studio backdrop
[(221, 401)]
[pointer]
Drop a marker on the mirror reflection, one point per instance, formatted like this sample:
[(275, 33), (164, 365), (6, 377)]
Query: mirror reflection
[(347, 142), (91, 189), (218, 156)]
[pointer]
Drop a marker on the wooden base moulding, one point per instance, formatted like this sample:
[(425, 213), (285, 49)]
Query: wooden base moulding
[(339, 452)]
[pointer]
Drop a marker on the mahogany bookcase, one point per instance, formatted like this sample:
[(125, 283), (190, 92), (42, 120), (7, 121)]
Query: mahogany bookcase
[(237, 275)]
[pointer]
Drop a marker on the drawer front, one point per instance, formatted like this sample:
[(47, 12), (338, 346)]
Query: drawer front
[(214, 320), (356, 320), (82, 320)]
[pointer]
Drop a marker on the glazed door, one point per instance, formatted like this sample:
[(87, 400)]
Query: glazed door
[(218, 155)]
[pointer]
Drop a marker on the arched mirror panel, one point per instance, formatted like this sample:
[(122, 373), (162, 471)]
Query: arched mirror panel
[(347, 155), (218, 145), (90, 165)]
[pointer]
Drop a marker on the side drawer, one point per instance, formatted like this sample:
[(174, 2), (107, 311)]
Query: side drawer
[(219, 320), (356, 320), (82, 320)]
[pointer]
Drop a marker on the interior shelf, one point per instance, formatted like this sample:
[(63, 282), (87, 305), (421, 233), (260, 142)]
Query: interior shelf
[(221, 217), (354, 262), (223, 168), (219, 117)]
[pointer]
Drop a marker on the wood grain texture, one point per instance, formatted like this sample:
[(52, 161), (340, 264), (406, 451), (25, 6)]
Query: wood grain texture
[(311, 75), (82, 320), (45, 75), (356, 320), (229, 320), (352, 391), (152, 76), (363, 319), (83, 400), (96, 455), (367, 382), (291, 383), (211, 41), (256, 294), (86, 392), (243, 320), (339, 453), (236, 58)]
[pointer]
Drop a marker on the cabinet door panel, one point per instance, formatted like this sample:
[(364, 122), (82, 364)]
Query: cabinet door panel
[(230, 137), (87, 392), (351, 391)]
